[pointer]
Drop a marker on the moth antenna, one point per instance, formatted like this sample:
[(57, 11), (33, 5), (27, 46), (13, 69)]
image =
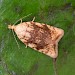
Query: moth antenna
[(15, 39), (22, 18)]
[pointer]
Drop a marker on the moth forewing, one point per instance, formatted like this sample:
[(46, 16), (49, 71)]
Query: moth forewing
[(40, 37)]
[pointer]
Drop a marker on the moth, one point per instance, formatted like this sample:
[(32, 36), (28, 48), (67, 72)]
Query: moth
[(39, 36)]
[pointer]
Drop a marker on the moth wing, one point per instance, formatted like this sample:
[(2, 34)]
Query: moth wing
[(56, 33)]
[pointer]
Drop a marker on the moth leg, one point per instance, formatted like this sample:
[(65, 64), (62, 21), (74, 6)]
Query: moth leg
[(26, 46), (33, 19), (21, 20)]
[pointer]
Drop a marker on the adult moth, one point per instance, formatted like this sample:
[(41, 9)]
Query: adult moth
[(41, 37)]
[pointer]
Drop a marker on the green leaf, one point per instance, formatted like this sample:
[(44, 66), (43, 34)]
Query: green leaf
[(26, 61)]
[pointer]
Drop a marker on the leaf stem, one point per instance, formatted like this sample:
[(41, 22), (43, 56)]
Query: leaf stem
[(54, 66)]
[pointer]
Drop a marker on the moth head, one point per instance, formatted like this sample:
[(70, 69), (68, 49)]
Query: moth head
[(11, 27)]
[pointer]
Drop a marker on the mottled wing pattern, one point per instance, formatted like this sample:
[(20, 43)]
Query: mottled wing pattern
[(39, 36)]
